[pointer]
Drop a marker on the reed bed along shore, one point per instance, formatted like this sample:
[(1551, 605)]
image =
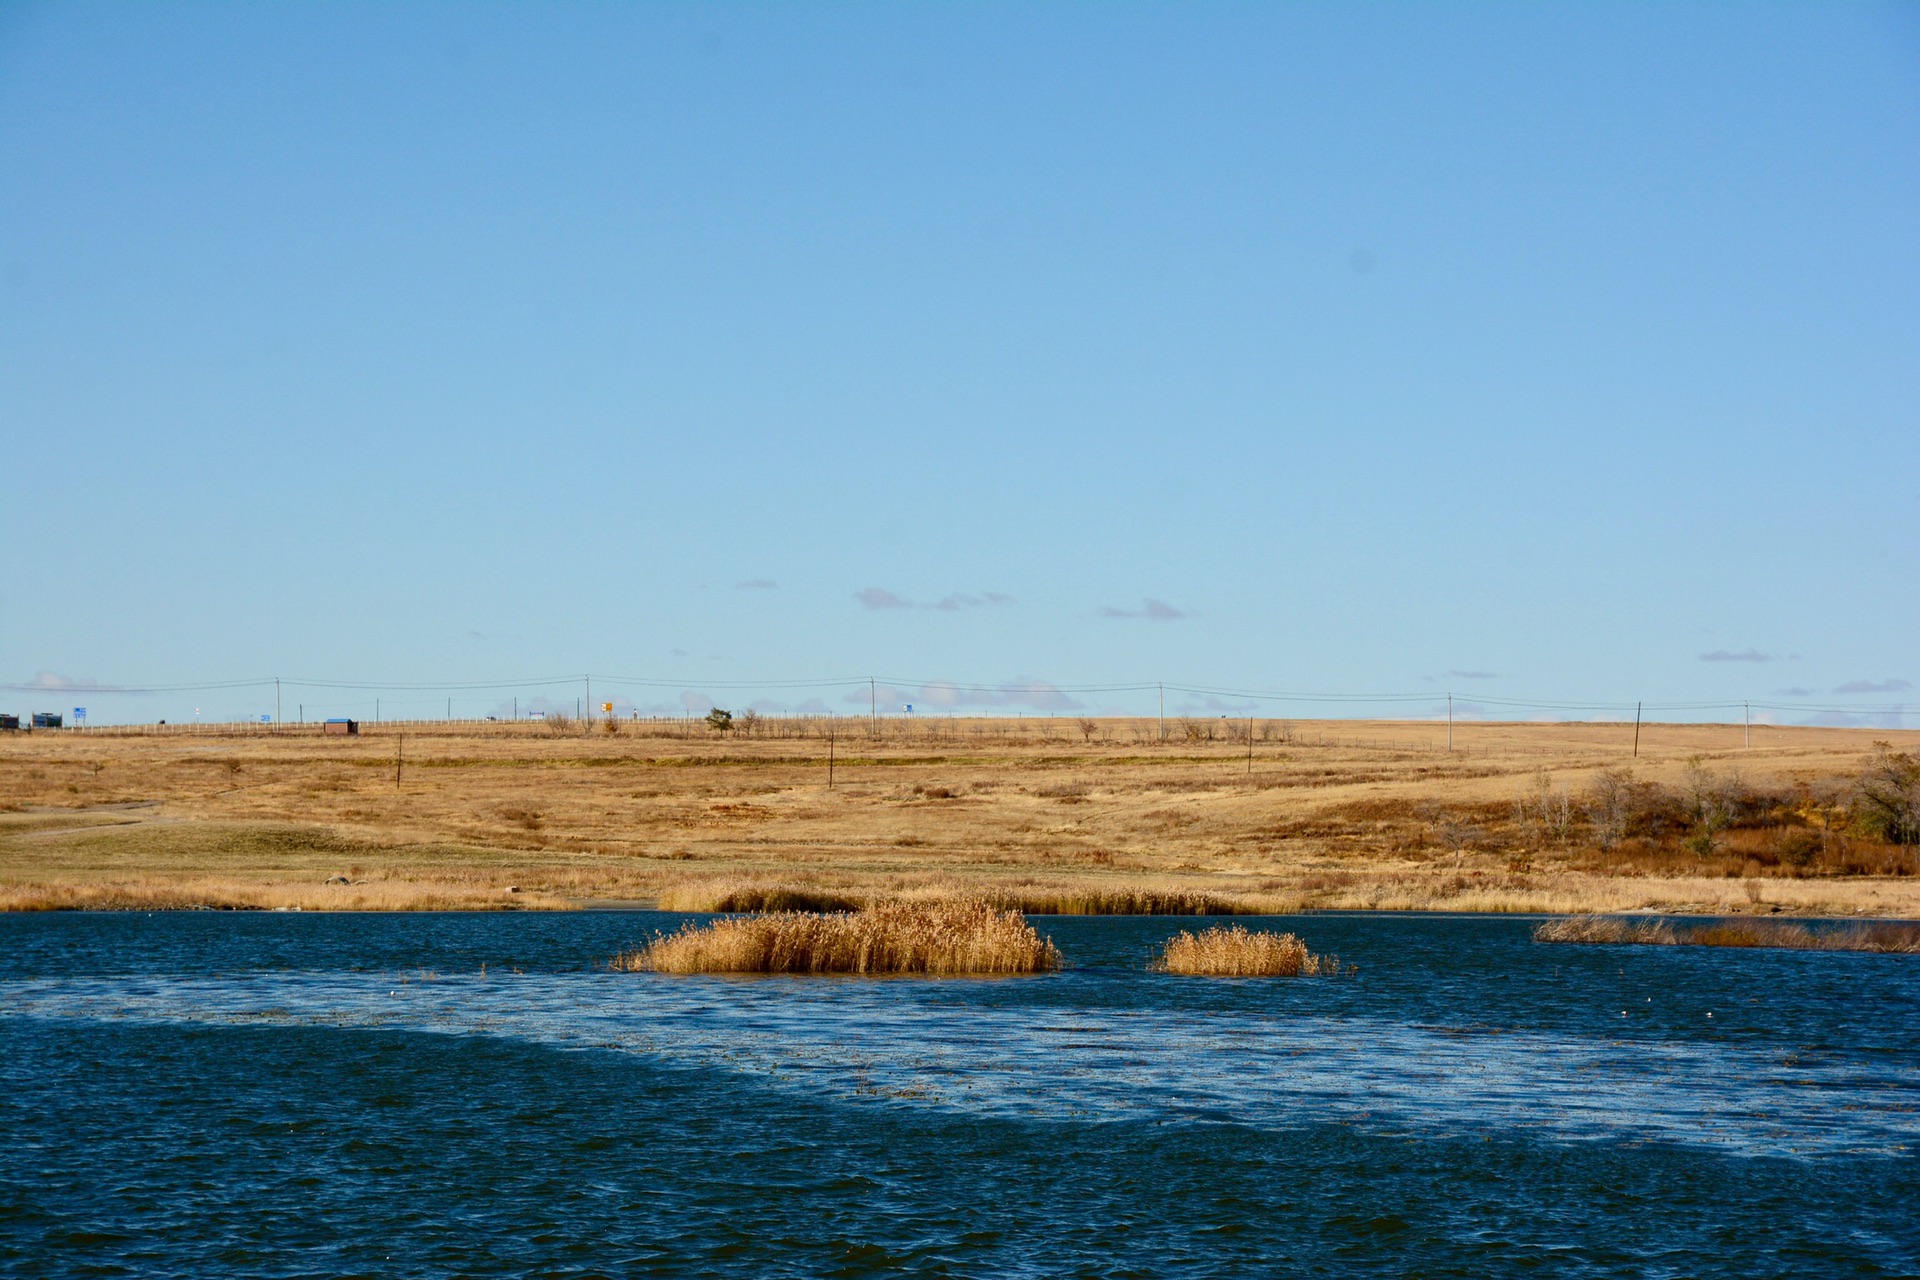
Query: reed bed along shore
[(203, 893), (736, 894), (948, 939), (1789, 935), (1234, 951)]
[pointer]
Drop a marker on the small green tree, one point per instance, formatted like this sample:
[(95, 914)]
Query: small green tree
[(719, 721)]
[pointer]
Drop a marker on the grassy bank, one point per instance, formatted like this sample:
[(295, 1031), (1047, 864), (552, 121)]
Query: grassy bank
[(1038, 816), (1791, 935)]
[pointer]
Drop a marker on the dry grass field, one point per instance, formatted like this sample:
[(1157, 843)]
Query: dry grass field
[(1039, 814)]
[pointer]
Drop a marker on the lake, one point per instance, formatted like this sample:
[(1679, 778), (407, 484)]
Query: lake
[(212, 1094)]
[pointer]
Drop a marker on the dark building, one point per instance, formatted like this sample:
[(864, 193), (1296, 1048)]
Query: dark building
[(341, 725)]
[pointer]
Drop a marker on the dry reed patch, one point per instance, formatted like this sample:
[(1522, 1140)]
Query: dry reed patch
[(206, 893), (928, 938), (1081, 898), (1234, 951), (1893, 939), (735, 895)]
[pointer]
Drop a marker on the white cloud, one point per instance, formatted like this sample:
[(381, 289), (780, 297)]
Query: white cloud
[(54, 682), (1874, 686), (1744, 655), (881, 598), (1150, 609), (944, 695)]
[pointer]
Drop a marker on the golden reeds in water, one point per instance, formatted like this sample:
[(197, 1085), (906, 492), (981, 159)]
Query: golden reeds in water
[(1895, 939), (931, 938), (1237, 952), (739, 894), (731, 895)]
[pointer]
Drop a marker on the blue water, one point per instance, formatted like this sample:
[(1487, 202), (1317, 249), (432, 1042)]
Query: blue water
[(402, 1095)]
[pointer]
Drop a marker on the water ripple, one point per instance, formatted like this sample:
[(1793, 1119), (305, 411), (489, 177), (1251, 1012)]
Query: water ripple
[(937, 1045)]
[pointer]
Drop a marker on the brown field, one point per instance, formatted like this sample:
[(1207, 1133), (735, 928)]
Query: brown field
[(1042, 815)]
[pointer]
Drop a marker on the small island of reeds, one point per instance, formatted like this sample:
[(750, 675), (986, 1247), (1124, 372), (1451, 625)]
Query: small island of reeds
[(1788, 935), (949, 939), (1237, 952)]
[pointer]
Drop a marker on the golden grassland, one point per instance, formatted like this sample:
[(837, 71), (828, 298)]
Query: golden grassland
[(1789, 935), (1234, 951), (1035, 815), (945, 938)]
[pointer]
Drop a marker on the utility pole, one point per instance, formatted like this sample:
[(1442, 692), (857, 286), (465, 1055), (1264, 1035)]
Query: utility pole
[(1749, 707), (589, 680), (376, 711), (830, 736), (873, 700), (1636, 730), (276, 702), (1249, 746), (1449, 723), (449, 709), (1163, 713), (399, 758)]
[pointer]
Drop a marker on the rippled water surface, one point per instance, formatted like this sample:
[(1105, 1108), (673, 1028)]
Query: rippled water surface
[(199, 1094)]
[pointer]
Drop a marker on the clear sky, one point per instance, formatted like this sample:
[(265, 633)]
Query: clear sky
[(1523, 351)]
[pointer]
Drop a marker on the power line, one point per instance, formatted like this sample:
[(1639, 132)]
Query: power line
[(1003, 692)]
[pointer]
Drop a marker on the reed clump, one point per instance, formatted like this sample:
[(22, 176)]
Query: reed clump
[(747, 894), (1100, 900), (1789, 935), (1234, 951), (925, 938), (729, 896)]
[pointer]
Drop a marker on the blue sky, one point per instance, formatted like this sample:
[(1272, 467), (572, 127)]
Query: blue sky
[(1554, 352)]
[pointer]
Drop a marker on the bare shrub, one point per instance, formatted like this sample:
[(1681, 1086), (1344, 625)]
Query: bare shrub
[(1456, 834), (1710, 804), (1196, 730), (1609, 805), (1888, 805), (1087, 729), (557, 722), (1545, 812)]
